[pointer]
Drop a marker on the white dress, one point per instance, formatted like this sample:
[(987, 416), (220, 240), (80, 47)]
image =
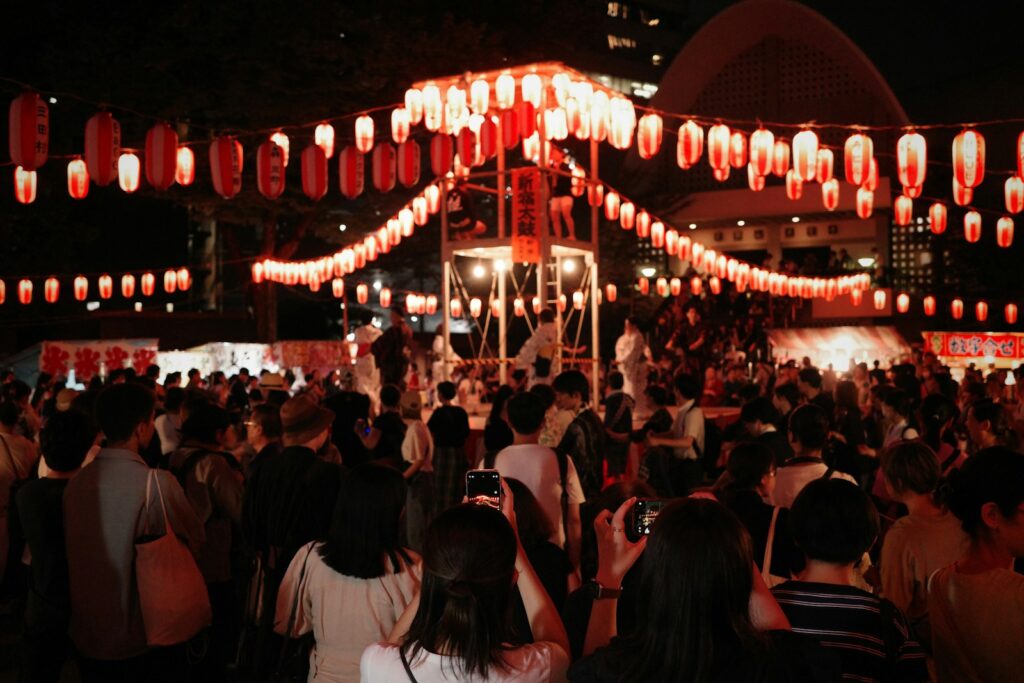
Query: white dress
[(366, 372), (631, 357), (545, 335)]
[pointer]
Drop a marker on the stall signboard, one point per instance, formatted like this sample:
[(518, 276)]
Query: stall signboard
[(1004, 347), (526, 216)]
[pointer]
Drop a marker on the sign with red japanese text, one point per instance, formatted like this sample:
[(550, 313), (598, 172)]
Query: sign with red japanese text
[(526, 216), (90, 358), (975, 345)]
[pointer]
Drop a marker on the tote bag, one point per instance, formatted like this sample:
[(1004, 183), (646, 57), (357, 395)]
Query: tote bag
[(172, 592)]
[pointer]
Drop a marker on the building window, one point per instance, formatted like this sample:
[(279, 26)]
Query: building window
[(620, 43)]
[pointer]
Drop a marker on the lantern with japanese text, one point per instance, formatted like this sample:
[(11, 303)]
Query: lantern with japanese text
[(903, 210), (929, 305), (1010, 312), (690, 144), (648, 135), (282, 141), (127, 285), (29, 131), (226, 166), (805, 154), (364, 133), (956, 308), (780, 158), (24, 185), (981, 311), (972, 226), (185, 166), (25, 288), (865, 202), (128, 172), (911, 159), (184, 278), (105, 285), (643, 224), (737, 149), (51, 290), (323, 137), (1014, 192), (611, 292), (476, 307), (903, 302), (969, 158), (148, 284), (170, 283), (102, 147), (270, 169), (627, 215), (937, 217), (794, 186), (351, 172), (825, 167), (314, 172), (362, 293), (857, 155), (442, 151), (384, 167), (719, 137), (78, 179), (762, 147), (879, 299), (830, 194), (1004, 231)]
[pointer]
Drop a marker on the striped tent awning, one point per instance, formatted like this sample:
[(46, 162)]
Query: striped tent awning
[(837, 345)]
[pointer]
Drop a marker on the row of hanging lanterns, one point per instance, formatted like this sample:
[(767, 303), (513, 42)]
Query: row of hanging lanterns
[(174, 279), (562, 303), (929, 306)]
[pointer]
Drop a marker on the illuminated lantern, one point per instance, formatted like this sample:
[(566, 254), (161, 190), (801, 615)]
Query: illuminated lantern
[(865, 202), (871, 182), (531, 148), (675, 286), (969, 158), (184, 279), (622, 118), (282, 141), (721, 174), (429, 306), (519, 307), (384, 167), (505, 91), (556, 126), (696, 285), (595, 194), (314, 172), (495, 308), (148, 282), (762, 148), (577, 300), (25, 290), (737, 149), (351, 172), (127, 285), (526, 116), (671, 242), (537, 305), (408, 163), (696, 254), (487, 139), (270, 169), (857, 155), (1014, 191), (780, 158), (981, 311), (690, 144), (937, 217), (433, 109), (385, 298), (648, 135), (24, 185), (611, 205), (400, 125), (903, 303), (102, 147), (805, 154), (128, 172), (929, 305), (364, 133), (1004, 231), (627, 215), (29, 131), (455, 306), (879, 299), (599, 116), (531, 87), (830, 193), (903, 210), (362, 293), (856, 296), (323, 137), (475, 307), (441, 154), (51, 290), (465, 145), (78, 179), (644, 285), (81, 288), (161, 156), (718, 146), (611, 292), (394, 231), (432, 193), (913, 192), (715, 284), (956, 308), (509, 129), (962, 196), (643, 225), (359, 255), (185, 170), (413, 105), (407, 222), (562, 303), (794, 186), (226, 166), (420, 215), (578, 182), (170, 283), (661, 286), (1010, 311), (972, 226), (826, 163), (657, 235), (911, 159)]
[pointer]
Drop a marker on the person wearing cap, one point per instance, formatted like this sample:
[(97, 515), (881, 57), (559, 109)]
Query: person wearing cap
[(392, 350), (273, 386)]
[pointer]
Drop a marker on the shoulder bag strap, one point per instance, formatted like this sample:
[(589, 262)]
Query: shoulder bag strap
[(766, 562), (405, 663), (295, 601), (163, 506)]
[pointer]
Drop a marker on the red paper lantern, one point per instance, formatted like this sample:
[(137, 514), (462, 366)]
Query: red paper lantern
[(857, 155), (338, 287), (505, 91), (805, 154), (476, 307), (578, 182), (465, 145), (611, 205), (81, 288), (644, 285), (495, 308), (51, 290), (385, 298), (577, 300), (1014, 191), (185, 168), (526, 116), (24, 185), (384, 167), (25, 291), (719, 137), (969, 158), (78, 179), (1004, 231), (865, 202), (830, 193), (648, 135), (441, 153), (270, 169), (780, 158), (879, 299), (794, 186), (721, 174), (161, 156), (105, 285), (184, 279), (487, 137), (929, 305), (364, 133), (226, 166), (903, 303), (658, 235), (627, 215), (962, 196), (871, 182), (696, 285), (856, 296), (429, 304), (128, 172), (282, 141), (595, 194), (509, 124), (433, 108), (420, 214), (314, 172), (690, 144), (407, 222), (972, 226), (911, 159), (937, 217), (661, 286), (671, 242), (400, 121), (622, 119), (913, 192), (351, 172), (127, 285), (611, 292), (362, 293), (1020, 155), (102, 147), (675, 286), (148, 282), (170, 283), (762, 148), (956, 308), (715, 284), (414, 105), (519, 307), (29, 131), (903, 210), (825, 166), (323, 137), (737, 149), (599, 116), (643, 224), (1010, 311)]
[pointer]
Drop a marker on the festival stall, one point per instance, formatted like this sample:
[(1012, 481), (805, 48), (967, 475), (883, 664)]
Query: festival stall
[(983, 349), (838, 346)]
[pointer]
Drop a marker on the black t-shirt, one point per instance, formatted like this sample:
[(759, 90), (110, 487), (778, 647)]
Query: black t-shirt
[(41, 512), (449, 425), (392, 434), (553, 568), (348, 406)]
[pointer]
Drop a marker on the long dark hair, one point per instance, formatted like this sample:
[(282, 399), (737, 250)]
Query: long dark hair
[(469, 558), (993, 475), (696, 584), (748, 463), (365, 527), (936, 412)]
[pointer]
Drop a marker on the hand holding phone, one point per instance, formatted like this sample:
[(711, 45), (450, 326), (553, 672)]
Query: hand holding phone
[(616, 552), (483, 487), (642, 516)]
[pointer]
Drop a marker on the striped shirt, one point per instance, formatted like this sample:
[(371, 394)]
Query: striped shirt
[(869, 634)]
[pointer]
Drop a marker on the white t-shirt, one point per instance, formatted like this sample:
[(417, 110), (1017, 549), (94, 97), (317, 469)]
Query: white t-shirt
[(167, 428), (537, 468), (689, 421), (535, 663), (791, 480), (418, 445)]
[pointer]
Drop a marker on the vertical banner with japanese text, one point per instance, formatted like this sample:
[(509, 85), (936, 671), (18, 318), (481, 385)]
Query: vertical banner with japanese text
[(526, 216)]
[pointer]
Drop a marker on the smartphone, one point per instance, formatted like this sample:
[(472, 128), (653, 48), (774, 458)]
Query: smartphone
[(643, 514), (483, 487)]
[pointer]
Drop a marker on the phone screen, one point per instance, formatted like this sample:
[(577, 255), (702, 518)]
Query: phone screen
[(483, 487), (645, 511)]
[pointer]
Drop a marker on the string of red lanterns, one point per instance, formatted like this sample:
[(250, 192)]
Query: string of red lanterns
[(174, 280)]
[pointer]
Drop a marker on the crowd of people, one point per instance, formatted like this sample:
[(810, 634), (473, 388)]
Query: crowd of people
[(858, 525)]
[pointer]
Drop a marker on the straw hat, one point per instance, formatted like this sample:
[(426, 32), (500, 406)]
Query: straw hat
[(271, 381), (303, 420)]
